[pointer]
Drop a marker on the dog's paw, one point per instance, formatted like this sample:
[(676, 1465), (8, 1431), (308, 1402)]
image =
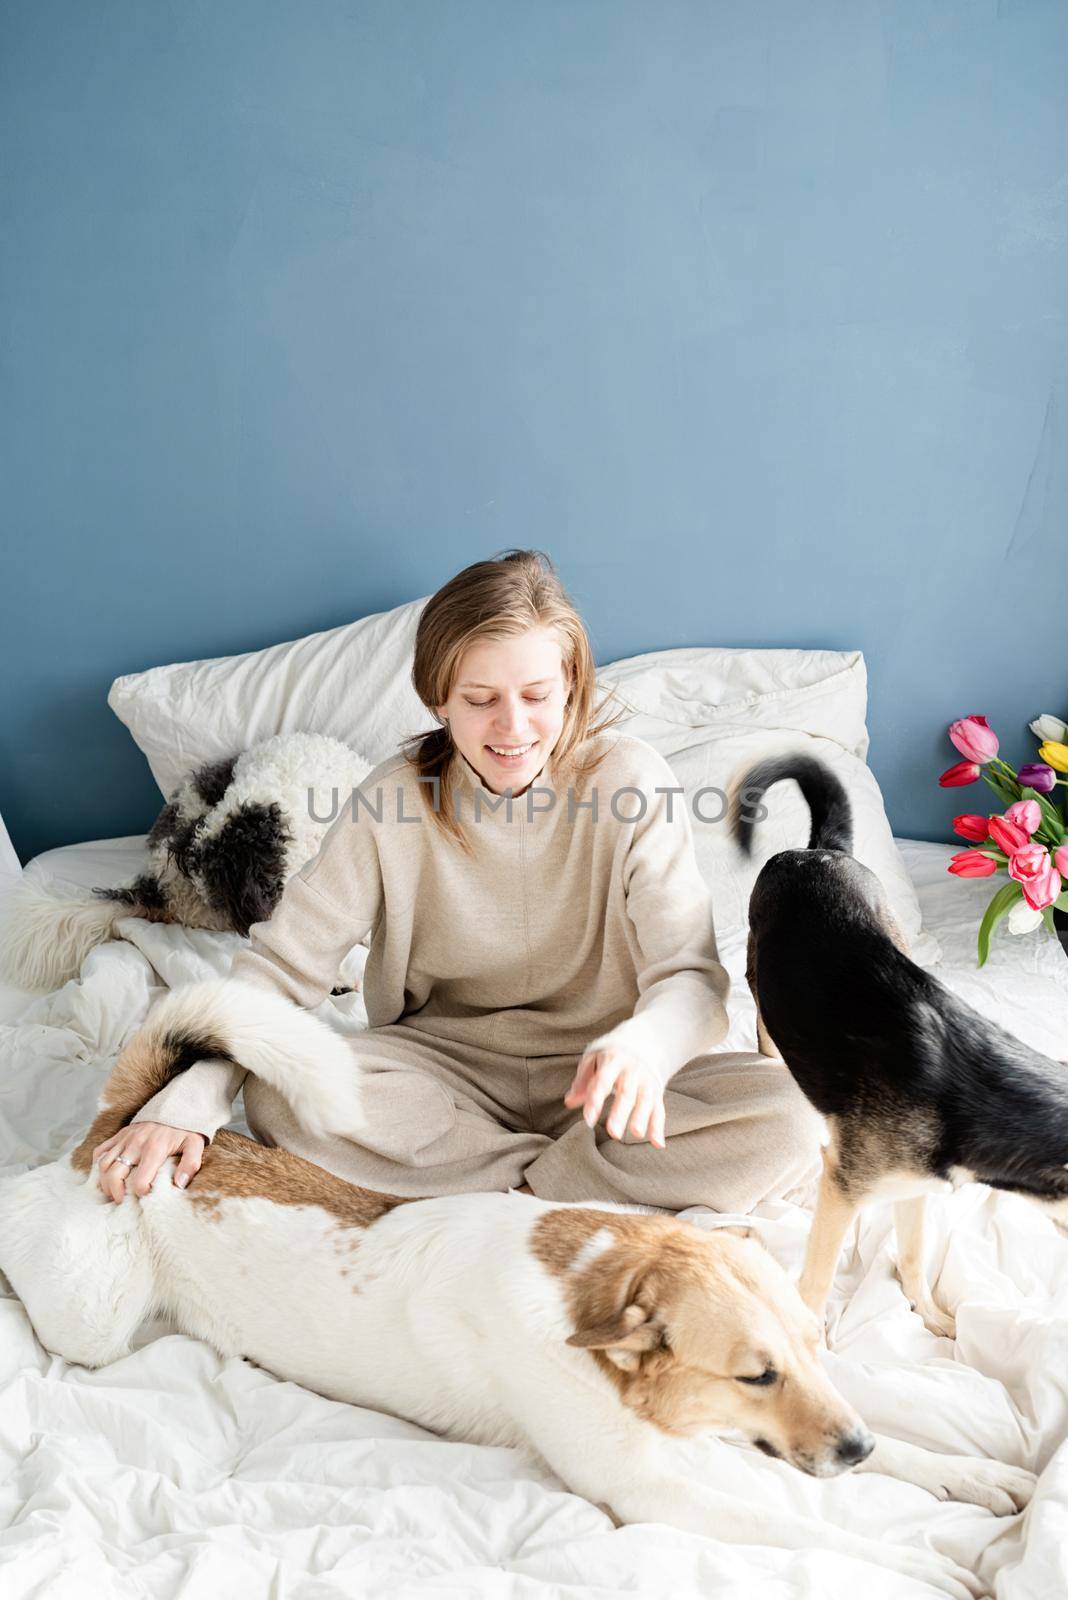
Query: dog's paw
[(826, 1337), (1000, 1489), (935, 1320)]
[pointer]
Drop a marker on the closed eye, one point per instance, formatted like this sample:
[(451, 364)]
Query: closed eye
[(768, 1376), (480, 705)]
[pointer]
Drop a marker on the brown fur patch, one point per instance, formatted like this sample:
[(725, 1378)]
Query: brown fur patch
[(641, 1241), (653, 1262), (138, 1074), (558, 1236), (237, 1168)]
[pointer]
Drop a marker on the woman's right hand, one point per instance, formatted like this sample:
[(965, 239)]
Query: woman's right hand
[(147, 1146)]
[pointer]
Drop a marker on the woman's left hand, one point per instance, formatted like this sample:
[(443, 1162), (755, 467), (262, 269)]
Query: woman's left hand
[(638, 1094)]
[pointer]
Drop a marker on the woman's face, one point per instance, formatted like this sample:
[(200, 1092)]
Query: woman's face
[(506, 707)]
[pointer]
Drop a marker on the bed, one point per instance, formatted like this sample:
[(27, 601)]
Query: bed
[(175, 1473)]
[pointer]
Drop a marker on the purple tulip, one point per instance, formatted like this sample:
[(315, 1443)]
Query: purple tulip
[(1036, 775)]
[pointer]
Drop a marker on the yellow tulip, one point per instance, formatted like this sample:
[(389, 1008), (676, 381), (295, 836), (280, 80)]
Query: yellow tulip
[(1054, 755)]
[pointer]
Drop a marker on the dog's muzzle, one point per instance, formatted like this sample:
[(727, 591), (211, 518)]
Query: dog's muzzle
[(855, 1447)]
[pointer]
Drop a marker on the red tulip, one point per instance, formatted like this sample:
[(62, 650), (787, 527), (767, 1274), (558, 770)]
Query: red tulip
[(974, 739), (972, 864), (971, 827), (1008, 836), (956, 777)]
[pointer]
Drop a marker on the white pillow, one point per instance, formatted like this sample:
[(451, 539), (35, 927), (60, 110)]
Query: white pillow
[(712, 714), (353, 683)]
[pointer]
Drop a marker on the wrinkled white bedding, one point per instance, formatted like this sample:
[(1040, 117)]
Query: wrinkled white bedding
[(174, 1473)]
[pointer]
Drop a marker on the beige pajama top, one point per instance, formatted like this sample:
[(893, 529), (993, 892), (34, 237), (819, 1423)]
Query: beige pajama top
[(578, 919)]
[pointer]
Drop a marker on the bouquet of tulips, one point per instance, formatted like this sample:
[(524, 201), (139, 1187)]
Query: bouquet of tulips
[(1029, 841)]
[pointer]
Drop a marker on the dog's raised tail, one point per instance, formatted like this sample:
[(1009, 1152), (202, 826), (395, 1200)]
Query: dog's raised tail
[(827, 801), (228, 1020)]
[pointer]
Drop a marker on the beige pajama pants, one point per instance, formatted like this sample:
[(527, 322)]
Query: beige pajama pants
[(445, 1118)]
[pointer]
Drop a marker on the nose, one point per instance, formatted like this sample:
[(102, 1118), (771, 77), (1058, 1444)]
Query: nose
[(855, 1447), (510, 716)]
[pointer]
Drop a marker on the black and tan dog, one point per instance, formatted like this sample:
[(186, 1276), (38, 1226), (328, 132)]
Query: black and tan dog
[(919, 1091)]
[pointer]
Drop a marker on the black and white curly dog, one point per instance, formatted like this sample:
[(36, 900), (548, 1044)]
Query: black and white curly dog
[(219, 855)]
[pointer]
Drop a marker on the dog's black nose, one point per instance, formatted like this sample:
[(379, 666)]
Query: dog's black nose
[(853, 1448)]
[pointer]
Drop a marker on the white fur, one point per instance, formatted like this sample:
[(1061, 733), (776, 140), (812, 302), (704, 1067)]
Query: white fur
[(440, 1313), (70, 1250), (595, 1246), (46, 934), (289, 1048)]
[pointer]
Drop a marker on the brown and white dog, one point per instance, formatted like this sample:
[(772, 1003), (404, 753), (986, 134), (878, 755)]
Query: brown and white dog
[(598, 1338)]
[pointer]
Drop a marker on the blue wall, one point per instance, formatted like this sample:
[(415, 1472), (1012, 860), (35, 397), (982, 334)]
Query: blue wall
[(752, 313)]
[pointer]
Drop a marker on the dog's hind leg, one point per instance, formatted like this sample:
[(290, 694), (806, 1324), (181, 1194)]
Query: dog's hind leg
[(836, 1207), (80, 1265), (908, 1220)]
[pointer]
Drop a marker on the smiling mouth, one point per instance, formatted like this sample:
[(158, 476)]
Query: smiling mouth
[(514, 754)]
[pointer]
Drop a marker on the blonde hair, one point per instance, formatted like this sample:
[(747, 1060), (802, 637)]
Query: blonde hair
[(499, 599)]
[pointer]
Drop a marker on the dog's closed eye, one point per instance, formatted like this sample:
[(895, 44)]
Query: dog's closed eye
[(768, 1376)]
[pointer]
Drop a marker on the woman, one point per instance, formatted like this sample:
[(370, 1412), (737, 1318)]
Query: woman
[(531, 959)]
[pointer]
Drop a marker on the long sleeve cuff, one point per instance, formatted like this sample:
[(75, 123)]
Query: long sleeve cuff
[(297, 953), (200, 1099)]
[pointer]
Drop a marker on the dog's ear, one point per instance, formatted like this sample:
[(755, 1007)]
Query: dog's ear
[(624, 1338)]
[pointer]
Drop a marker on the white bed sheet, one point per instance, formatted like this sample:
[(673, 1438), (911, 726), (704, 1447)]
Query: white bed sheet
[(175, 1473)]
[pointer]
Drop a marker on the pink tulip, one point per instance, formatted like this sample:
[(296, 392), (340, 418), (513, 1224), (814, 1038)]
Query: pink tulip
[(1036, 874), (1026, 814), (1006, 835), (972, 864), (955, 777), (1043, 891), (971, 827), (974, 739), (1060, 859)]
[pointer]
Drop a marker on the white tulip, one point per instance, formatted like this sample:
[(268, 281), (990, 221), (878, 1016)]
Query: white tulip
[(1047, 727), (1022, 918)]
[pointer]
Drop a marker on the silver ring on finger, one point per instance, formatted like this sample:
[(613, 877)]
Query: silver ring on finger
[(125, 1161)]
